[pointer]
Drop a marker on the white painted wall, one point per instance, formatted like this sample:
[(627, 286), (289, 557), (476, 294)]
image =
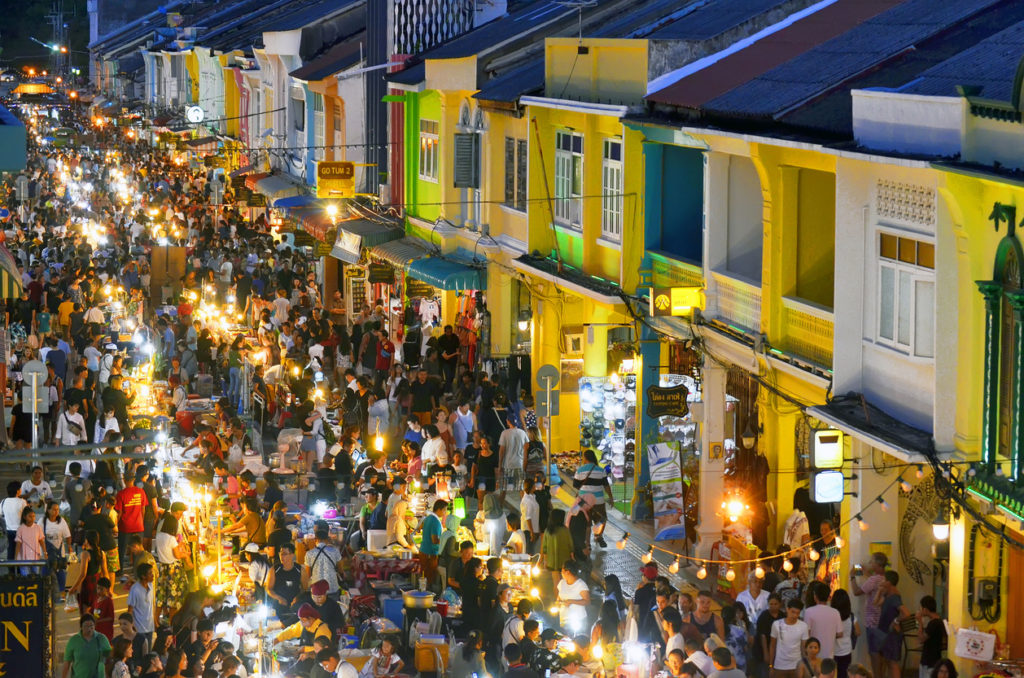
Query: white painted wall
[(990, 141), (353, 93), (907, 123), (901, 384)]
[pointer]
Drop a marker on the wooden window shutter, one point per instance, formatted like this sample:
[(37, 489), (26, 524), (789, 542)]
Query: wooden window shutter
[(467, 164), (510, 171)]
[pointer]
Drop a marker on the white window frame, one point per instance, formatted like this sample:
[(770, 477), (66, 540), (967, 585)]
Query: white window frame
[(611, 191), (319, 140), (915, 276), (429, 149), (569, 202)]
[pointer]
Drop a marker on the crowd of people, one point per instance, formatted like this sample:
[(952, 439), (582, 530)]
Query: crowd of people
[(407, 421)]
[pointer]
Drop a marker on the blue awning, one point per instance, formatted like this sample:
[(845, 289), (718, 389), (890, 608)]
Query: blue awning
[(446, 274), (295, 201)]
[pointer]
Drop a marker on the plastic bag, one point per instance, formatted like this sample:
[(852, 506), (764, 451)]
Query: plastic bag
[(71, 603)]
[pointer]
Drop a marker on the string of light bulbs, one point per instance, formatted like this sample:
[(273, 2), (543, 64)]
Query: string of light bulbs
[(759, 572)]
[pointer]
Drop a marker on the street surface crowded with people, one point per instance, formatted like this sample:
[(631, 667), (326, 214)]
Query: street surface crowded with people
[(265, 486)]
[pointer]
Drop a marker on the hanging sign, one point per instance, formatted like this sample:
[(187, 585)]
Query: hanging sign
[(381, 273), (667, 401), (335, 179), (257, 200), (417, 288), (667, 492), (238, 182), (242, 195), (26, 648), (321, 249), (675, 301)]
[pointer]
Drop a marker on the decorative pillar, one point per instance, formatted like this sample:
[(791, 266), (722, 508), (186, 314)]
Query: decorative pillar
[(992, 291), (1016, 299), (712, 458)]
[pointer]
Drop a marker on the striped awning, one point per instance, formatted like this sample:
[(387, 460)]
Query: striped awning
[(400, 252), (251, 179), (203, 145), (10, 278)]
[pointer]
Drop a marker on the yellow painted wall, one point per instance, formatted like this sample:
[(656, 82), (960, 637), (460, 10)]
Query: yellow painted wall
[(816, 236), (231, 103), (192, 66), (609, 71), (580, 250)]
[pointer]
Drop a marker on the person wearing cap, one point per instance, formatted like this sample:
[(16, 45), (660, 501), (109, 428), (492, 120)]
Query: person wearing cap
[(571, 664), (329, 610), (512, 630), (546, 657), (308, 627)]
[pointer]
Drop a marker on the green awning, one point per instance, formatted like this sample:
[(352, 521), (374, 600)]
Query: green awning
[(447, 274)]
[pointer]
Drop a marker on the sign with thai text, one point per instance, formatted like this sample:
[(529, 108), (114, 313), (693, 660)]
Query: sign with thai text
[(381, 273), (24, 646), (667, 401)]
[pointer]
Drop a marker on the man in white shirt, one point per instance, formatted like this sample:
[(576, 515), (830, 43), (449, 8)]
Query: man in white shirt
[(823, 621), (463, 426), (433, 446), (511, 457), (530, 510), (71, 426), (11, 507), (35, 491), (142, 601), (695, 655), (754, 597)]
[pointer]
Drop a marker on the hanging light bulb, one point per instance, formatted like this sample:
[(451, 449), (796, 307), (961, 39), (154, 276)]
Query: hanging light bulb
[(535, 570), (749, 437), (702, 572), (597, 652), (920, 472), (862, 524), (814, 555), (674, 567), (883, 503), (940, 527), (759, 571), (646, 558), (904, 485), (730, 574), (621, 543), (787, 566)]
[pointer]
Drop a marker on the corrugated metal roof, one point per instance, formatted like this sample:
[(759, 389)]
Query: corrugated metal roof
[(714, 18), (744, 66), (992, 64), (337, 58), (527, 79), (826, 66)]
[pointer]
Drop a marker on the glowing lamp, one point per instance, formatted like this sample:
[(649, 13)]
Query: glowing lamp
[(861, 523), (646, 558), (940, 528), (759, 571), (814, 555), (702, 573), (674, 567), (621, 543), (787, 566), (209, 570), (730, 574), (378, 442)]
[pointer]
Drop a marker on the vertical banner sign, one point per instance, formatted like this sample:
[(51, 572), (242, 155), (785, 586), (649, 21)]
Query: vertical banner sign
[(24, 629), (667, 491)]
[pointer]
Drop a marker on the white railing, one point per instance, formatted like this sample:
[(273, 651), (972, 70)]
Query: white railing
[(737, 301)]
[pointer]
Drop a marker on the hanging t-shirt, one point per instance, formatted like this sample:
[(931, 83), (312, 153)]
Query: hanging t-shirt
[(430, 310)]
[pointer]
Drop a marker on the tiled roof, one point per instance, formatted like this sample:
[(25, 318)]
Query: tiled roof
[(992, 64)]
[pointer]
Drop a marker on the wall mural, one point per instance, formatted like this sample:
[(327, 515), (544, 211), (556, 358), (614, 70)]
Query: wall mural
[(922, 504)]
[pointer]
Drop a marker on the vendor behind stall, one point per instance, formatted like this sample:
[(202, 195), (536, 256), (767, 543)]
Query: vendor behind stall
[(329, 610), (306, 629)]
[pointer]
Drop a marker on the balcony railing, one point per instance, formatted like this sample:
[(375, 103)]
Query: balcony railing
[(737, 302), (808, 331)]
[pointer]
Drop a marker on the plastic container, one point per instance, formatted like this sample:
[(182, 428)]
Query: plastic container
[(376, 540), (391, 609), (425, 657)]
